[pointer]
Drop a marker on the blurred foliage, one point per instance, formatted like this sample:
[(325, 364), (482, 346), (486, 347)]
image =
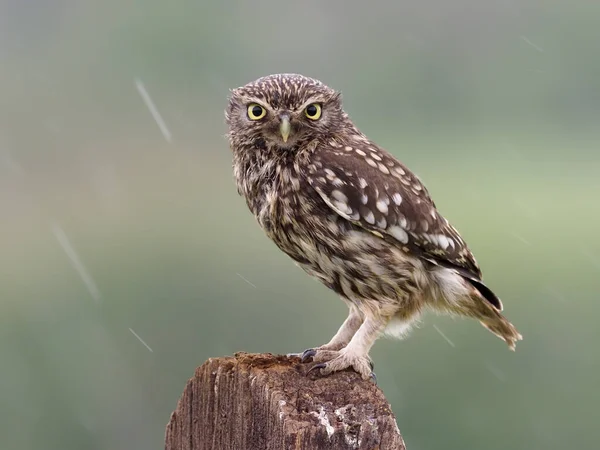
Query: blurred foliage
[(494, 104)]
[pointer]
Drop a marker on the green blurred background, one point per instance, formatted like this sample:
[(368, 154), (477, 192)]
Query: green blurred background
[(114, 232)]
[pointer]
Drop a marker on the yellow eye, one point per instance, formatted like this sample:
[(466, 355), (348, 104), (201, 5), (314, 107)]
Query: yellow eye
[(256, 112), (313, 111)]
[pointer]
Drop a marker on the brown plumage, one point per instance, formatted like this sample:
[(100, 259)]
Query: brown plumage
[(351, 215)]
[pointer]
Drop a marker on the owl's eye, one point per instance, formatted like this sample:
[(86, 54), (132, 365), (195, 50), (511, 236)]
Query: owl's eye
[(313, 111), (256, 112)]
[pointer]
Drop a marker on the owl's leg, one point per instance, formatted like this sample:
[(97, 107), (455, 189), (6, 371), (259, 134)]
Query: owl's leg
[(356, 353), (341, 338)]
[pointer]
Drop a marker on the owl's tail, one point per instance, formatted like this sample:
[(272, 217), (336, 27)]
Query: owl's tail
[(479, 307), (497, 324)]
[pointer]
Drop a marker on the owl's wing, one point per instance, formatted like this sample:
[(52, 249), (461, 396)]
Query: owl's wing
[(369, 187)]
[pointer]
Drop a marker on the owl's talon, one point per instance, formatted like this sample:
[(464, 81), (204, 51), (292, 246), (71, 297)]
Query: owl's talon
[(308, 355), (317, 367), (373, 377)]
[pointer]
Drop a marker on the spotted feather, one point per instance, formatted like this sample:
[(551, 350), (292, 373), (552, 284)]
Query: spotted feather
[(369, 187)]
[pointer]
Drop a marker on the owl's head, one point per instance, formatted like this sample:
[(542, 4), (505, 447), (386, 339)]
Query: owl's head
[(283, 110)]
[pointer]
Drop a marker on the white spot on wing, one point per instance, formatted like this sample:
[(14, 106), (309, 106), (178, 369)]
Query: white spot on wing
[(398, 233), (382, 206), (443, 241), (397, 198), (343, 207), (339, 195)]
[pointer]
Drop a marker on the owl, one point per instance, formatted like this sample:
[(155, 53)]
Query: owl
[(351, 215)]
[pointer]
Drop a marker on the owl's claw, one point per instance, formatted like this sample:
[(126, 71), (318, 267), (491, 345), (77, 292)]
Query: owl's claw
[(373, 377), (322, 369), (317, 367), (330, 361), (307, 355)]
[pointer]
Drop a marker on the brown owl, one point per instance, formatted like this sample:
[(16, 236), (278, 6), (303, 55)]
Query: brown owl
[(351, 215)]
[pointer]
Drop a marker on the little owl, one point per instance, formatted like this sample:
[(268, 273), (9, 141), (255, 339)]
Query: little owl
[(351, 215)]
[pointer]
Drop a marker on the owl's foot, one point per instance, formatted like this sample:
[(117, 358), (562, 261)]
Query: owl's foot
[(308, 354), (330, 361)]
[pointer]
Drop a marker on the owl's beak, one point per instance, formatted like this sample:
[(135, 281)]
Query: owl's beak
[(285, 127)]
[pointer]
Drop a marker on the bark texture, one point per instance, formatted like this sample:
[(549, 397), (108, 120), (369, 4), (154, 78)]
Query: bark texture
[(267, 402)]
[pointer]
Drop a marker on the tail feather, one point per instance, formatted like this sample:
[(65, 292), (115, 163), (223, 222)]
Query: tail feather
[(486, 293), (497, 324), (489, 313), (486, 307)]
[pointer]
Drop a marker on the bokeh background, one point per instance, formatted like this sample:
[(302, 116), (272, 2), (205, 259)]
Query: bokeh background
[(127, 258)]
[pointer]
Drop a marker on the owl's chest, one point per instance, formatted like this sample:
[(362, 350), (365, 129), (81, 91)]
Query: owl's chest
[(273, 192), (281, 211)]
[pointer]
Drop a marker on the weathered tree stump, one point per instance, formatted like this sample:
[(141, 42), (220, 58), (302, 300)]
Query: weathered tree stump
[(267, 402)]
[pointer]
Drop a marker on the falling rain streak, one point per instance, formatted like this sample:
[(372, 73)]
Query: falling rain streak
[(153, 110), (141, 340), (246, 280), (444, 336), (64, 242), (531, 44)]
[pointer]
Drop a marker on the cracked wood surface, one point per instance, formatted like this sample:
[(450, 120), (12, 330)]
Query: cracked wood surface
[(267, 402)]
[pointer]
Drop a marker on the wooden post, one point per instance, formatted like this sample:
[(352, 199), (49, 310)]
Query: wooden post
[(267, 402)]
